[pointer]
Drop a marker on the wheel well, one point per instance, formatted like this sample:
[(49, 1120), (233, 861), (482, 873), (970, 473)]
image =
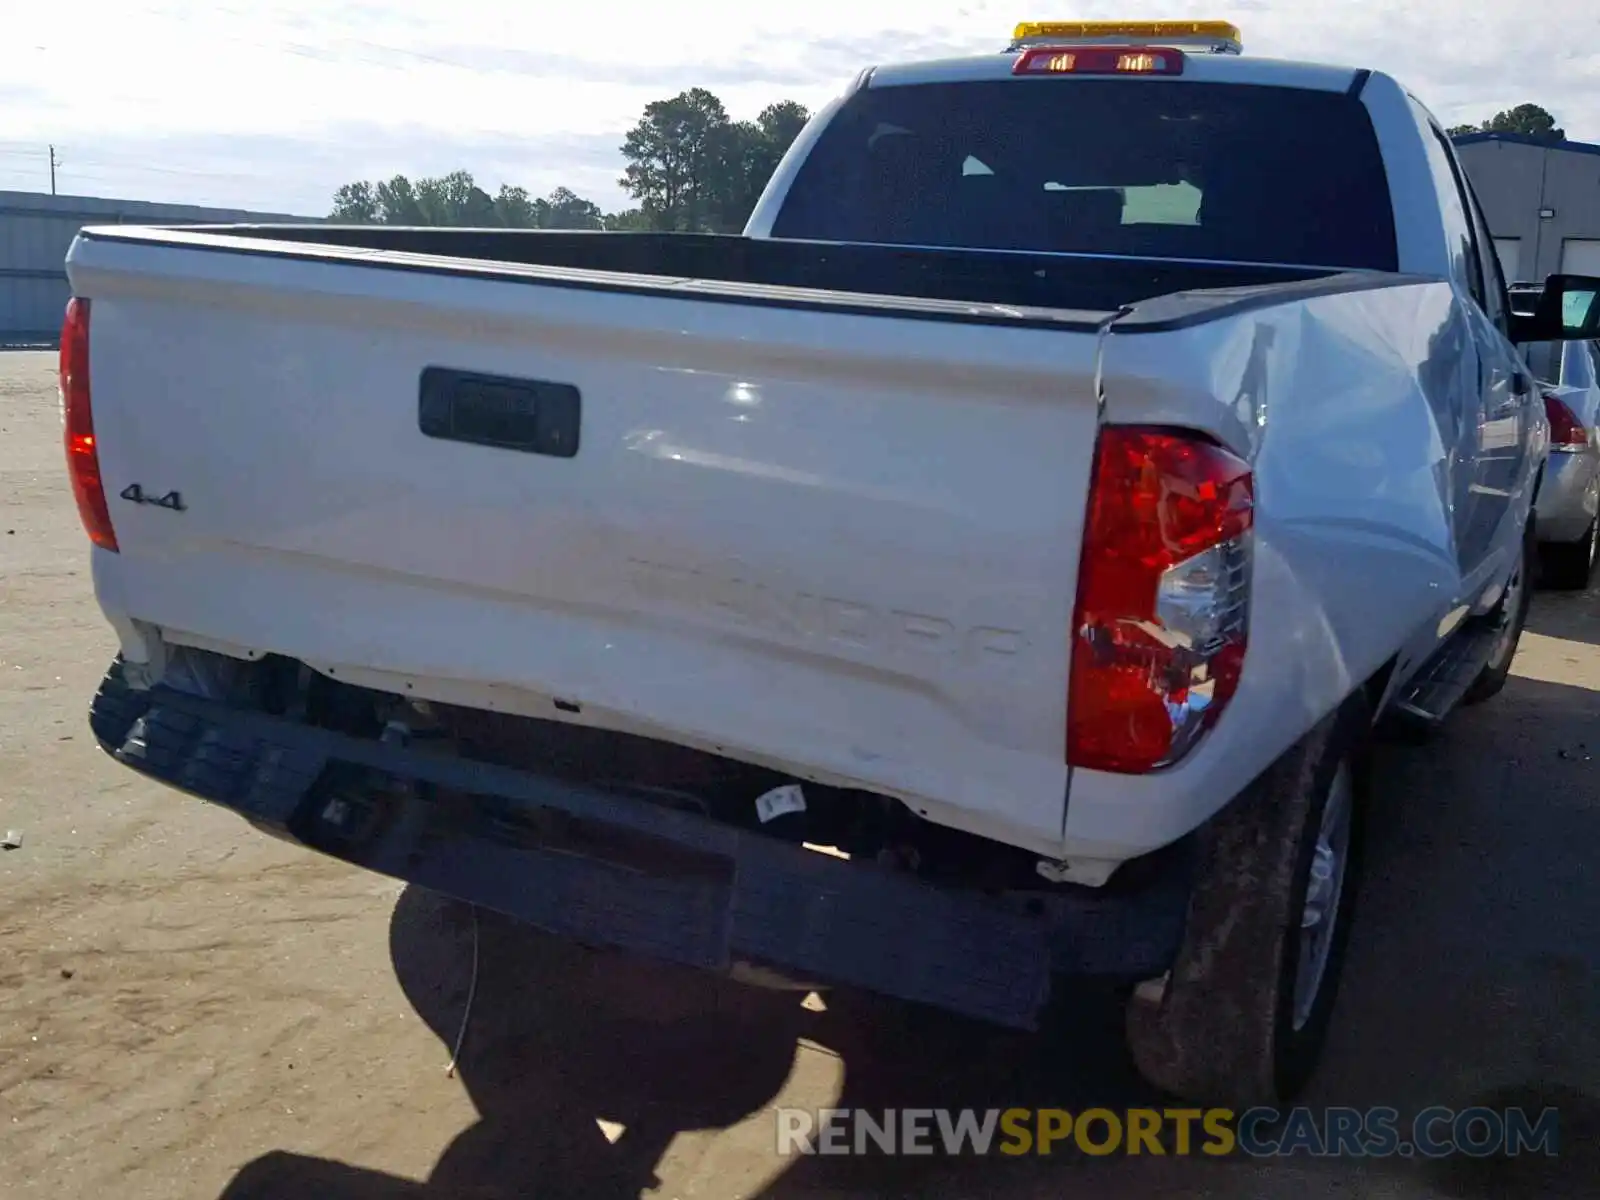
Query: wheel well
[(1378, 684)]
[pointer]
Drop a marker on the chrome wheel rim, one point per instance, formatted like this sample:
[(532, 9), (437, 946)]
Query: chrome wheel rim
[(1324, 889)]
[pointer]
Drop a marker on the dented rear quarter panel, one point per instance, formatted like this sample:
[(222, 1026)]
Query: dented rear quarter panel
[(1357, 410)]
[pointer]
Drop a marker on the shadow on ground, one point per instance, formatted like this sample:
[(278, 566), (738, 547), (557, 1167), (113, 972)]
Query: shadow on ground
[(1572, 616), (562, 1038), (1472, 982)]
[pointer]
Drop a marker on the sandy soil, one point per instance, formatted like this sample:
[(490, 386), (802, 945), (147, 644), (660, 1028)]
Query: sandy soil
[(190, 1009)]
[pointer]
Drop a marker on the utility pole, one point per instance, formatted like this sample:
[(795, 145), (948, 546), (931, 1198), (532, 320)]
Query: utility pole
[(52, 170)]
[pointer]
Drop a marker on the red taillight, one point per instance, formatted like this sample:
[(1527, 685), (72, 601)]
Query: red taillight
[(1098, 60), (1159, 633), (83, 458), (1566, 431)]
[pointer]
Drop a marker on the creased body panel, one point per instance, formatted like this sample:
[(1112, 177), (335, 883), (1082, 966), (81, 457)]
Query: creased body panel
[(1358, 414), (838, 543)]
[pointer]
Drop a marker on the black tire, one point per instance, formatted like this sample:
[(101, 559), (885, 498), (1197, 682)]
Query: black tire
[(1512, 615), (1225, 1029), (1568, 566)]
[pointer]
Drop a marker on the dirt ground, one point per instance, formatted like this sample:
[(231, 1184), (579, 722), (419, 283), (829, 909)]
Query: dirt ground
[(189, 1009)]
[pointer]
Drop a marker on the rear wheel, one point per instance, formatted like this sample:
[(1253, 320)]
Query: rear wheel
[(1510, 615), (1568, 566), (1245, 1010)]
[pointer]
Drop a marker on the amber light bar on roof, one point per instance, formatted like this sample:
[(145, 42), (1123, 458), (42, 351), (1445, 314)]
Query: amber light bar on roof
[(1217, 36)]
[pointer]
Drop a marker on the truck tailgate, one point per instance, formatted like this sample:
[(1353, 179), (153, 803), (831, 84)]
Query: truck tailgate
[(840, 543)]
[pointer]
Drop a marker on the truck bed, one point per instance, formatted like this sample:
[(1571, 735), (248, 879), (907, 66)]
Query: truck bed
[(968, 285), (813, 507)]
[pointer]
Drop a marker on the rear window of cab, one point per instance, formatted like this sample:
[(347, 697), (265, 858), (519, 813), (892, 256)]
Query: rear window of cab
[(1156, 168)]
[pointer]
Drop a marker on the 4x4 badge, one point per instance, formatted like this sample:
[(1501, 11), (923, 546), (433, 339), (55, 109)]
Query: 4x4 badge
[(135, 493)]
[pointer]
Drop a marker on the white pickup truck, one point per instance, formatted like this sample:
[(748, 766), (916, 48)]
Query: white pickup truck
[(987, 570)]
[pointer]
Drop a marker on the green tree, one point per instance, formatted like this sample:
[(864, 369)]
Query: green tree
[(515, 209), (631, 220), (782, 123), (750, 164), (756, 149), (565, 210), (397, 202), (688, 168), (1529, 120), (678, 158), (691, 168), (355, 204), (454, 199)]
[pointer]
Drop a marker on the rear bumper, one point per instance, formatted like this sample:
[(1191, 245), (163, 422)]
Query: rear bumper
[(612, 870), (1569, 496)]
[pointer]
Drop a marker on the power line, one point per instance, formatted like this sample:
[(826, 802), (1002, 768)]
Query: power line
[(37, 158), (98, 164)]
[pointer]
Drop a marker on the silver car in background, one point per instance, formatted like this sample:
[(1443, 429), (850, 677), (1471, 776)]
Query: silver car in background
[(1569, 496), (1568, 506)]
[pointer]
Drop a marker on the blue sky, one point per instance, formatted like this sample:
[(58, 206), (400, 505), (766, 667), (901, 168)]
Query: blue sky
[(272, 104)]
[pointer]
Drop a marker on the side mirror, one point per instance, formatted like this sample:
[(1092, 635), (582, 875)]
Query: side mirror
[(1568, 310)]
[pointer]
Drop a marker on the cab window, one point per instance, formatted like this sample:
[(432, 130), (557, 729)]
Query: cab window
[(1152, 168), (1465, 267)]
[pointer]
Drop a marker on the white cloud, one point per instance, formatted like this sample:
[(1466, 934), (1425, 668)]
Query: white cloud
[(273, 104)]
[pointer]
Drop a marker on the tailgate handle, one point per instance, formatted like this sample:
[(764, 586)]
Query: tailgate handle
[(534, 416)]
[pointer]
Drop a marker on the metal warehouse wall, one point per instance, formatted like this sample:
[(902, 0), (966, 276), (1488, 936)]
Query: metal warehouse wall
[(1516, 179), (35, 231)]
